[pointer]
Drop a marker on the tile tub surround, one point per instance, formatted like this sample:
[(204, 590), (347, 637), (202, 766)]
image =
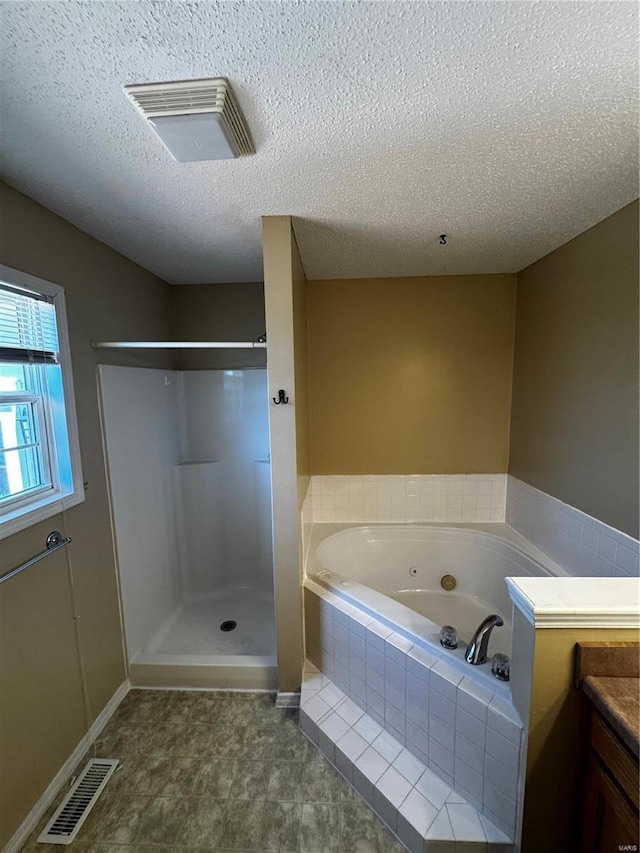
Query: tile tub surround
[(406, 498), (425, 812), (218, 771), (582, 545), (465, 732)]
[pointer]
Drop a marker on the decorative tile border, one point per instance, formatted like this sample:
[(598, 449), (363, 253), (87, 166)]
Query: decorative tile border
[(406, 498), (469, 737), (582, 545)]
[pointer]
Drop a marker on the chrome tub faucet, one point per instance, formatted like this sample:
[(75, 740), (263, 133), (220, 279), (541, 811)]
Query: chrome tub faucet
[(477, 649)]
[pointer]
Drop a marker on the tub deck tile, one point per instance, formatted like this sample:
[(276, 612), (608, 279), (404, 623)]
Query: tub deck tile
[(425, 812)]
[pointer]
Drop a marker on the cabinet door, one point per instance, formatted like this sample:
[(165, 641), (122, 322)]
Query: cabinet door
[(608, 821)]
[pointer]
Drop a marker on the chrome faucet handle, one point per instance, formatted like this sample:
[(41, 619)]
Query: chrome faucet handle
[(448, 637), (501, 666)]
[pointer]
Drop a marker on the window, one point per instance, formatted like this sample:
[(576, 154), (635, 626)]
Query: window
[(40, 470)]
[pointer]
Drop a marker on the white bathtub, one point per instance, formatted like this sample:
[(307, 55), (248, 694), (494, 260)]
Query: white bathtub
[(394, 572)]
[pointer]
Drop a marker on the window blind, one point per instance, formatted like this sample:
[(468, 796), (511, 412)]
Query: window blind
[(28, 331)]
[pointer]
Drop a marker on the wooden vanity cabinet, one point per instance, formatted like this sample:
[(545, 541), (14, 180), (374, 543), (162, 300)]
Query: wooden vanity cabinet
[(610, 803)]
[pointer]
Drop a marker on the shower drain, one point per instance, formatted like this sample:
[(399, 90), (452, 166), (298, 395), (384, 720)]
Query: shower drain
[(229, 625)]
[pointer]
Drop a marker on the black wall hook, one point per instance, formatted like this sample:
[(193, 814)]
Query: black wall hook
[(281, 398)]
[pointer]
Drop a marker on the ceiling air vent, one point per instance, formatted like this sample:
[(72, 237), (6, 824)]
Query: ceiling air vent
[(195, 119)]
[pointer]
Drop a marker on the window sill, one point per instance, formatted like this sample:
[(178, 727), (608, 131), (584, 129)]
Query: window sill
[(27, 516)]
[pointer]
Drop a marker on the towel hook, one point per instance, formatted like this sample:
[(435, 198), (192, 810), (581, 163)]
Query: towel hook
[(281, 398)]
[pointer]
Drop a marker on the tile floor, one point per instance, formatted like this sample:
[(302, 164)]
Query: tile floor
[(218, 771)]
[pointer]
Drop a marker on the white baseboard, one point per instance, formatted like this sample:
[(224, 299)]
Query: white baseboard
[(60, 779), (287, 700)]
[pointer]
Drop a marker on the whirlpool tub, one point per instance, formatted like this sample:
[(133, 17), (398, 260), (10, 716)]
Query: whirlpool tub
[(374, 605), (395, 572)]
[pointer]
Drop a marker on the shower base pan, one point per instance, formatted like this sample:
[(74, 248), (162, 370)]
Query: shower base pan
[(231, 672), (197, 647)]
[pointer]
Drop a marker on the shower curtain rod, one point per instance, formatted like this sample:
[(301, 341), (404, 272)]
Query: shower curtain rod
[(178, 344)]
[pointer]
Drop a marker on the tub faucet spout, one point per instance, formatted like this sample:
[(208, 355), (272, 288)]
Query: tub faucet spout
[(477, 649)]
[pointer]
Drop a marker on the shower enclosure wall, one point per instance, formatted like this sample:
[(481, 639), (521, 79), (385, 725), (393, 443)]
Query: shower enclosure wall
[(188, 463)]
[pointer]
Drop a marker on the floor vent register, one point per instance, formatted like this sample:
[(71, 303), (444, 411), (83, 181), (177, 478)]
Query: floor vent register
[(82, 797)]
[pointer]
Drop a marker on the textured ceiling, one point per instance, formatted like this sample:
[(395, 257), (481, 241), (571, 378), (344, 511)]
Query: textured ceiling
[(512, 126)]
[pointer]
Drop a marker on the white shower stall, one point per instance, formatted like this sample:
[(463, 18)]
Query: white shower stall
[(187, 454)]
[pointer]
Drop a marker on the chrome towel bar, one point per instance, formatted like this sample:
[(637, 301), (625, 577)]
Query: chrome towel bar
[(55, 541)]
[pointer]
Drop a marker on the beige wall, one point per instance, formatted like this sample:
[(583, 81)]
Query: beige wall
[(218, 312), (553, 782), (411, 375), (43, 716), (574, 424), (301, 365), (284, 289)]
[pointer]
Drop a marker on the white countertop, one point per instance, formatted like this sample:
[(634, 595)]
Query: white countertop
[(568, 602)]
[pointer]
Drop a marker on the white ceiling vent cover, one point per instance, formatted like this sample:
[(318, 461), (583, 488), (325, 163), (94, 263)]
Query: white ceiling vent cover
[(72, 812), (195, 119)]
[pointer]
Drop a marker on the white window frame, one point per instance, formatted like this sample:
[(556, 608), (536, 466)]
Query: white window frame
[(28, 509), (44, 423)]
